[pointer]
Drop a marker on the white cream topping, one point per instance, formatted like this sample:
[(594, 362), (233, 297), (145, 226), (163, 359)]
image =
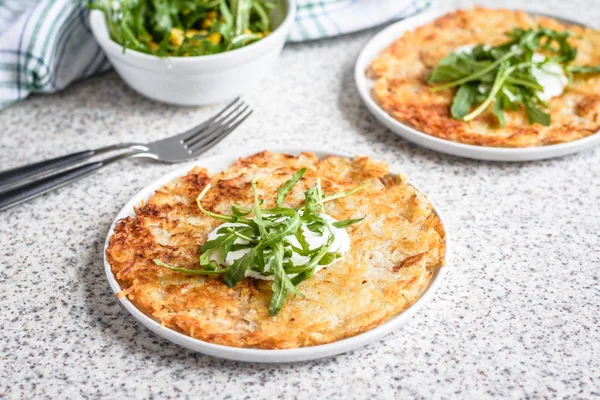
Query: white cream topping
[(468, 48), (550, 76), (341, 244)]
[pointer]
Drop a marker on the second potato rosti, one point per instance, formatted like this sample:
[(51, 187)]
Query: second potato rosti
[(402, 70)]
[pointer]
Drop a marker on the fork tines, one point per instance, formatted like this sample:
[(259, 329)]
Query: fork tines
[(213, 130)]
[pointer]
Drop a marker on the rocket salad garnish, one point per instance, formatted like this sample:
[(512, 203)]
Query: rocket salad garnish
[(504, 76), (186, 27), (265, 233)]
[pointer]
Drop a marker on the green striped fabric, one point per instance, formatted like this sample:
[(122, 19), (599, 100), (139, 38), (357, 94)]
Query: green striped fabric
[(44, 46), (327, 18), (47, 44)]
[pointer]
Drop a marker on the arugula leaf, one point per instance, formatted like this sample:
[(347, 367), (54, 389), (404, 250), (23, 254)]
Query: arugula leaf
[(282, 283), (238, 269), (302, 240), (580, 69), (256, 208), (264, 20), (447, 70), (260, 261), (225, 13), (328, 258), (227, 218), (523, 79), (347, 222), (499, 109), (312, 203), (289, 227), (302, 252), (463, 100), (206, 262), (237, 211), (317, 226), (344, 194), (456, 66), (535, 114), (225, 239), (315, 259), (240, 246), (189, 271), (285, 189)]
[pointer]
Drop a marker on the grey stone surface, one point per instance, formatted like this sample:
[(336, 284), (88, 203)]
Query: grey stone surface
[(518, 316)]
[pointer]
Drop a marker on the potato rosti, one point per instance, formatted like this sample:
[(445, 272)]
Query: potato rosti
[(388, 266), (402, 70)]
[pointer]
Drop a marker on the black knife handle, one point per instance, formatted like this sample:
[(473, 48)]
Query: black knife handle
[(31, 190), (30, 171)]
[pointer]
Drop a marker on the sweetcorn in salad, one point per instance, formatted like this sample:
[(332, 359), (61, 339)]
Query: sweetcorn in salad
[(186, 28)]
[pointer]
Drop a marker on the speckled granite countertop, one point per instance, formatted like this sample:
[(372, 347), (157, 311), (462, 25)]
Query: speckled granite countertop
[(518, 316)]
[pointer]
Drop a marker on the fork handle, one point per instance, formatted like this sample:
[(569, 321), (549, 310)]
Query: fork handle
[(29, 171)]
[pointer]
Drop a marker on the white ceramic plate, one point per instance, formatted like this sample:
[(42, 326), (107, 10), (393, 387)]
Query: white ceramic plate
[(219, 163), (381, 41)]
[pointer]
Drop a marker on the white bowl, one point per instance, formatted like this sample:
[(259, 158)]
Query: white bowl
[(219, 163), (365, 87), (197, 80)]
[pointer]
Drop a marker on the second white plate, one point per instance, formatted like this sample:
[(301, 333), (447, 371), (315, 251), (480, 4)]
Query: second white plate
[(381, 41)]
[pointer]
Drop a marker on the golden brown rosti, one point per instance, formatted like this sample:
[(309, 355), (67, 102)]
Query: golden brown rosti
[(387, 268), (401, 88)]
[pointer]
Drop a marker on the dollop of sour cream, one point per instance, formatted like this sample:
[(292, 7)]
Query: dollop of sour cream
[(550, 76), (468, 48), (341, 244)]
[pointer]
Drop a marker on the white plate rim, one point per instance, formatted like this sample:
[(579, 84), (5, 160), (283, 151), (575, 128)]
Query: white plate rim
[(260, 355), (384, 38)]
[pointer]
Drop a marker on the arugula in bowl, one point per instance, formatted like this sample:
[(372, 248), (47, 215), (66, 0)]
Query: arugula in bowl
[(186, 27)]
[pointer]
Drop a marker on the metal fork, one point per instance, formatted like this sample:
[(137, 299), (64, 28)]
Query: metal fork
[(24, 183)]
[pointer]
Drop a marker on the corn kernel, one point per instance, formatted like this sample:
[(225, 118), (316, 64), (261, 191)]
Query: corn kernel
[(176, 37), (214, 37), (247, 31), (192, 32), (209, 20), (153, 46), (145, 37)]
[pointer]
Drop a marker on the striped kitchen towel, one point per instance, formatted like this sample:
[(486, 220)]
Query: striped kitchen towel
[(327, 18), (46, 44)]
